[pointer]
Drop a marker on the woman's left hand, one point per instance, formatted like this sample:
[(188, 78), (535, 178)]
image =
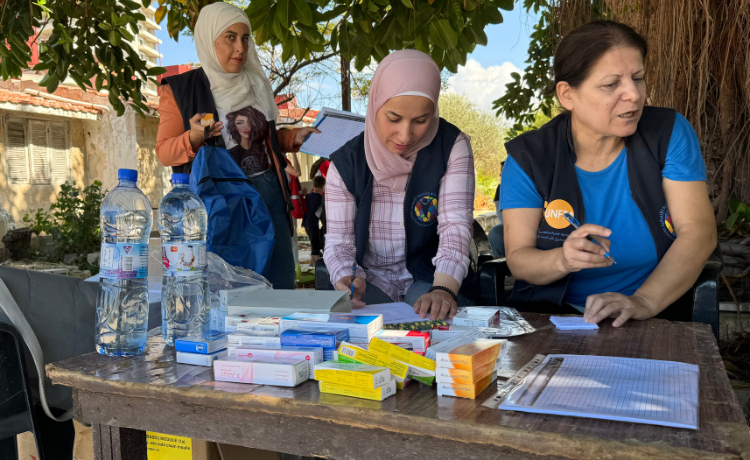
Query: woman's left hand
[(616, 305), (302, 133), (438, 304)]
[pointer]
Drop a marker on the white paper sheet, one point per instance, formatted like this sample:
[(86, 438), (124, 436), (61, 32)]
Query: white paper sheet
[(337, 128), (624, 389), (393, 313)]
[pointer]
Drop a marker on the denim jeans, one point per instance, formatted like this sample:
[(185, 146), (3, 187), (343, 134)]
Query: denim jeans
[(280, 271), (374, 295), (497, 241)]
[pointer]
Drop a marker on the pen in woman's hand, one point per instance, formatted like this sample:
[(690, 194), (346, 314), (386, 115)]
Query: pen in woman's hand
[(574, 222), (354, 276)]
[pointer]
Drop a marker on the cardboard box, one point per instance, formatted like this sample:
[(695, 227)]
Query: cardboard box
[(477, 317), (355, 354), (199, 359), (359, 325), (468, 337), (375, 394), (353, 375), (267, 340), (285, 373), (465, 390), (471, 356), (445, 375), (205, 343), (311, 355), (419, 341)]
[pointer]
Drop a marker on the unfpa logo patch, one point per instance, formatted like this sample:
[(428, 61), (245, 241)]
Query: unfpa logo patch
[(425, 209), (554, 213), (666, 222)]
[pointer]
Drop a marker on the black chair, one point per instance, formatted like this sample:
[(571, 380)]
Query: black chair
[(17, 413), (481, 255), (700, 304)]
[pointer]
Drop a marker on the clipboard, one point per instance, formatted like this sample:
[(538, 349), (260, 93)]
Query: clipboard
[(337, 128)]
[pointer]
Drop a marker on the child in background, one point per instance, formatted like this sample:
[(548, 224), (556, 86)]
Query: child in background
[(313, 218)]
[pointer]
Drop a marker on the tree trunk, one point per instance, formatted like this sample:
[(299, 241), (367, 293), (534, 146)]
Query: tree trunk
[(346, 86)]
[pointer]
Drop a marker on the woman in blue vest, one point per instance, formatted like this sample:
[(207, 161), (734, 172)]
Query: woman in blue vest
[(232, 86), (633, 176), (384, 190)]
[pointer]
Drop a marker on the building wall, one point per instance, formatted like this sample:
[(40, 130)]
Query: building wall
[(153, 178), (18, 199)]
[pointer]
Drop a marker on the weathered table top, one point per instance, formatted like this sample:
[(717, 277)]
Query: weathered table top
[(153, 392)]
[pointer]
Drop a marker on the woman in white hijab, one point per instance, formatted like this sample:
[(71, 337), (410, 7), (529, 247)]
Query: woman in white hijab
[(231, 91)]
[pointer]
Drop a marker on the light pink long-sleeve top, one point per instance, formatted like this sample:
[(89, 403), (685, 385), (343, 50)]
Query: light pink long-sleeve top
[(385, 257)]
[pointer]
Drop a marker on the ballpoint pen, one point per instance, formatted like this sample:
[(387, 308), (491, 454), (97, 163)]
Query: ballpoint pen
[(574, 222), (354, 275)]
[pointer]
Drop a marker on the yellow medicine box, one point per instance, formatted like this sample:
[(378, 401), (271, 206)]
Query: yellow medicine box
[(349, 352), (353, 375), (474, 355), (465, 390), (375, 394), (400, 354)]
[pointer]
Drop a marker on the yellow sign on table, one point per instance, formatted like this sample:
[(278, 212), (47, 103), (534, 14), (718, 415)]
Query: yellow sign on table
[(167, 447)]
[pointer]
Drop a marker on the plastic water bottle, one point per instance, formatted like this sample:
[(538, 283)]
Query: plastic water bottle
[(122, 303), (185, 300)]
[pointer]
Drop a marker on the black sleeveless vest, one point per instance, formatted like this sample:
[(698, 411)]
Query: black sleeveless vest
[(548, 157), (420, 201)]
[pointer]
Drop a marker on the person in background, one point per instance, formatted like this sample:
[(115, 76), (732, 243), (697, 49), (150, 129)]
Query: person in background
[(314, 217), (497, 241), (298, 201), (633, 176), (385, 187), (232, 84)]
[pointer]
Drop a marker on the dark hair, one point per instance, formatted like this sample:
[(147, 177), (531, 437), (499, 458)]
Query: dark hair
[(319, 181), (580, 50), (247, 112)]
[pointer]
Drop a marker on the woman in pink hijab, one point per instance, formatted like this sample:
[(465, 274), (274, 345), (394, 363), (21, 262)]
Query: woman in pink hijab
[(400, 197)]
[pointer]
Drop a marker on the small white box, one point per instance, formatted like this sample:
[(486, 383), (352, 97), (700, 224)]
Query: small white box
[(477, 317), (468, 337), (359, 325), (285, 373), (199, 359), (259, 324), (441, 335), (419, 341), (310, 355), (259, 339)]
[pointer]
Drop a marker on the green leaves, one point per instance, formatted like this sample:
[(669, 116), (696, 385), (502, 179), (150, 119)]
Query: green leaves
[(442, 35), (283, 12), (302, 12)]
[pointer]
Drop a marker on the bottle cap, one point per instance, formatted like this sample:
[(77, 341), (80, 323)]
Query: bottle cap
[(127, 174), (178, 178)]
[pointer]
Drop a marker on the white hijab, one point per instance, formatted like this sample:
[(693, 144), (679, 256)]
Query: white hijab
[(232, 91)]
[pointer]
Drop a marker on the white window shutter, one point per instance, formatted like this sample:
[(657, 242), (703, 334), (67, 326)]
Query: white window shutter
[(16, 152), (40, 171), (59, 153)]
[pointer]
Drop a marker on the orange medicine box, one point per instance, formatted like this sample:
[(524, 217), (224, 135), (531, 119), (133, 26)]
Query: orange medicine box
[(448, 375), (469, 356), (465, 390)]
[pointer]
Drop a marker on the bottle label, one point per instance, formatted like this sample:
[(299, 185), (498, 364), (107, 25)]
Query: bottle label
[(184, 259), (123, 260)]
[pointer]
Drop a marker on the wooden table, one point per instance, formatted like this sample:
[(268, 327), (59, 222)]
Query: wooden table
[(153, 392)]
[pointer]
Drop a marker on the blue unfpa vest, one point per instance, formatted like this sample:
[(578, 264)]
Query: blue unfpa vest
[(548, 157), (420, 201)]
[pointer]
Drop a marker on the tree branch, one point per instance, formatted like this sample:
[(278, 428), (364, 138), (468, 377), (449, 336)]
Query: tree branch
[(287, 77)]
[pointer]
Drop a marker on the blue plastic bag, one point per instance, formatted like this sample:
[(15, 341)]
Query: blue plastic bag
[(240, 229)]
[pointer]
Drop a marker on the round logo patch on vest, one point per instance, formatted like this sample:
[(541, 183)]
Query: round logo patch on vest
[(666, 222), (425, 209), (553, 214)]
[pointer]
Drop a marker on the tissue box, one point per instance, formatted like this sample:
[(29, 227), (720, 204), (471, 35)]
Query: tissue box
[(353, 375), (364, 326), (312, 356), (199, 359), (204, 343), (375, 394), (285, 373)]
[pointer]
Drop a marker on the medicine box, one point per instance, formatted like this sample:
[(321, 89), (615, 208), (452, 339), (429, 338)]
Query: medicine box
[(285, 373), (399, 354), (419, 340), (451, 332), (259, 324), (199, 359), (477, 317), (204, 343), (311, 355), (375, 394), (467, 337), (465, 390), (351, 353), (328, 339), (259, 339), (470, 356), (358, 325), (353, 375), (446, 375)]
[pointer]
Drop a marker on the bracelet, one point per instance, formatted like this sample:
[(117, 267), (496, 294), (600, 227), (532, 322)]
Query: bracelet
[(443, 288)]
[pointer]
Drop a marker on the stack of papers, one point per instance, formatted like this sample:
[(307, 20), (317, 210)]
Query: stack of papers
[(570, 323)]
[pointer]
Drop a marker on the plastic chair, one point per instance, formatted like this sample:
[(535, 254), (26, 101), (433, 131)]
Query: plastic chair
[(16, 409)]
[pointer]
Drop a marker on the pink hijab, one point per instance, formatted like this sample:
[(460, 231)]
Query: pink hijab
[(402, 73)]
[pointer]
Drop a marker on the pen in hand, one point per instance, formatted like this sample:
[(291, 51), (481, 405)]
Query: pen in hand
[(574, 222), (354, 276)]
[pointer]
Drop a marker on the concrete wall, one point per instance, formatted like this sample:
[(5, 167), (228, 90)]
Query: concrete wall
[(153, 178), (23, 198)]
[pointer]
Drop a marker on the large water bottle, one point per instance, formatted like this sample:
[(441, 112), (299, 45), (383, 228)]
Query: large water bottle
[(185, 300), (122, 302)]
